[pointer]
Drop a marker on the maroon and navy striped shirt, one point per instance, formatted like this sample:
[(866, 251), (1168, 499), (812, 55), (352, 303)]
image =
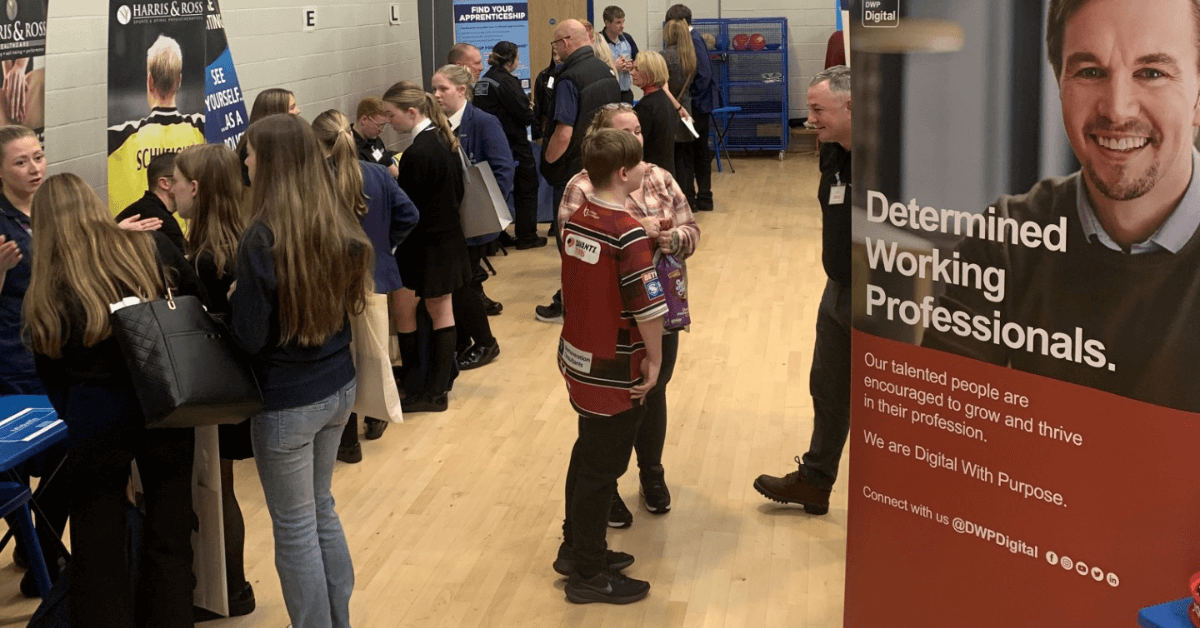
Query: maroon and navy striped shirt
[(609, 283)]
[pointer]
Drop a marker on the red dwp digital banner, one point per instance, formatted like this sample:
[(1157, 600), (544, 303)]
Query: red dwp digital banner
[(986, 497)]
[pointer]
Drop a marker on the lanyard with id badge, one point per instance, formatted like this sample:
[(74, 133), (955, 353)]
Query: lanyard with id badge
[(837, 192)]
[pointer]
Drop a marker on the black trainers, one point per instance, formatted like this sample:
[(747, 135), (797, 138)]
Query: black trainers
[(552, 313), (608, 587), (654, 490), (618, 515), (564, 564)]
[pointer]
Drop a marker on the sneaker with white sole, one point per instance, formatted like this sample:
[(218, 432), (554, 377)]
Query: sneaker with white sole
[(618, 514), (552, 313), (654, 490)]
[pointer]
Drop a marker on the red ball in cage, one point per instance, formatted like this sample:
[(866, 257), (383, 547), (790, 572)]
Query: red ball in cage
[(740, 41), (757, 41)]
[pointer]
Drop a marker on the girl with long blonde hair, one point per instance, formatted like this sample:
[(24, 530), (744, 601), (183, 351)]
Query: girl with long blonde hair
[(85, 262), (433, 260), (303, 266), (386, 215)]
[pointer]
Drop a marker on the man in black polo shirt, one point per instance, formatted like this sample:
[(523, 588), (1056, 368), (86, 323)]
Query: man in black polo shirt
[(582, 85), (157, 201), (829, 382)]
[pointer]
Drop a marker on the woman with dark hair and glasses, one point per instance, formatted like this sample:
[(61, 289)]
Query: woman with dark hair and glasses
[(499, 93)]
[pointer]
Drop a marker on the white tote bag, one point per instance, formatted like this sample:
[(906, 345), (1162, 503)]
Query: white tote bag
[(484, 210), (377, 396)]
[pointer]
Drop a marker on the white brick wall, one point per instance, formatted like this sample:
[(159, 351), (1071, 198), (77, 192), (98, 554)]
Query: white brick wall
[(353, 53)]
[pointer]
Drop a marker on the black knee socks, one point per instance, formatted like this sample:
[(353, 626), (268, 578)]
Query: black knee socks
[(441, 361)]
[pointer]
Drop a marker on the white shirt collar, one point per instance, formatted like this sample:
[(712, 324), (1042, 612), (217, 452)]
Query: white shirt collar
[(421, 126), (456, 117)]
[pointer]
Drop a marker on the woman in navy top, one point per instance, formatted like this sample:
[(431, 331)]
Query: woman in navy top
[(482, 138), (22, 168), (303, 266), (387, 216)]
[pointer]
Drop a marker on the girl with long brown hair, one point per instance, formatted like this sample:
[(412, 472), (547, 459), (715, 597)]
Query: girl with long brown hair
[(680, 55), (84, 262), (386, 215), (269, 102), (303, 266), (433, 260), (207, 189)]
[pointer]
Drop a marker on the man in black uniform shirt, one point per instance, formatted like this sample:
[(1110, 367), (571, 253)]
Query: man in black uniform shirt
[(499, 93), (157, 201), (829, 381), (369, 121)]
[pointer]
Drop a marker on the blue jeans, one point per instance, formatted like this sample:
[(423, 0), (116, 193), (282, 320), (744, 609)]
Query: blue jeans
[(295, 450)]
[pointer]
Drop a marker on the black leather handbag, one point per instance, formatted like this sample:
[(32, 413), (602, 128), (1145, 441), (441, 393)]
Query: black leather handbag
[(186, 369)]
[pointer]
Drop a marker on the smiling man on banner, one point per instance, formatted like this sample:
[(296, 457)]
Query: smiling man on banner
[(1129, 80)]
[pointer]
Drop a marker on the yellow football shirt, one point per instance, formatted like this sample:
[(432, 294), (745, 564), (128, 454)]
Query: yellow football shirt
[(133, 144)]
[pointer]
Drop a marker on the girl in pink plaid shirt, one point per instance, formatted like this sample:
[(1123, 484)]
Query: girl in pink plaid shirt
[(664, 212)]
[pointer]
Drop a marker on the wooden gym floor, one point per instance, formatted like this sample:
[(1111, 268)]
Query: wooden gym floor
[(453, 519)]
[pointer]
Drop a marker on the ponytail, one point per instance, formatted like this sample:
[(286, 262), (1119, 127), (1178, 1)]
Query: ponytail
[(408, 95), (332, 129), (438, 118)]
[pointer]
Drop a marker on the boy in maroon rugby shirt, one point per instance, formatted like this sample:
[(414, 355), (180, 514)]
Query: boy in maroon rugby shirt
[(609, 353)]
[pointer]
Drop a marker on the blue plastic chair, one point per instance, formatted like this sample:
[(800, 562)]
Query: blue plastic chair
[(722, 117), (14, 500)]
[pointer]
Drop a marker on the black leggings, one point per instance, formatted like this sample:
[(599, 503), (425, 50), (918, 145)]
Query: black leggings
[(469, 313), (652, 434)]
